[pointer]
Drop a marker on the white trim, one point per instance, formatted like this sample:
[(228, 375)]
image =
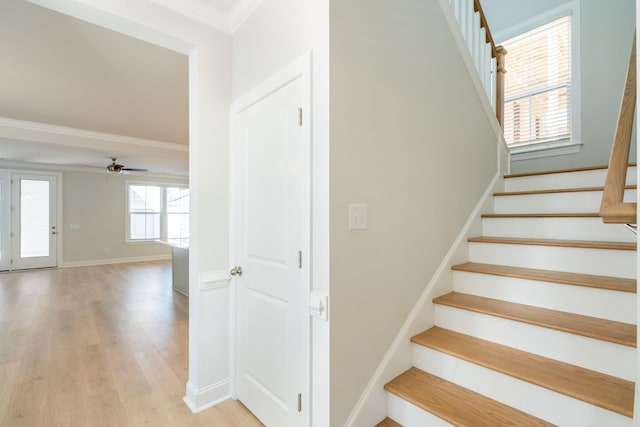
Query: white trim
[(211, 280), (240, 11), (527, 152), (88, 263), (572, 9), (399, 355), (84, 136), (200, 399)]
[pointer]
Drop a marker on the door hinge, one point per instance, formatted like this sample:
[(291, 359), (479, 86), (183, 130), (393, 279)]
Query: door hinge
[(299, 259), (299, 402), (299, 116), (11, 261)]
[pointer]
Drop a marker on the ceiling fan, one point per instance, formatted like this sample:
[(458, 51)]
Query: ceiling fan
[(115, 168)]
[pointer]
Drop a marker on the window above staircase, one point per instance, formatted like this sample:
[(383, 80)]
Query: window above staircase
[(542, 87)]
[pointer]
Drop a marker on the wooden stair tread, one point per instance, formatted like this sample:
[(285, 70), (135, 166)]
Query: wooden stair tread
[(593, 387), (589, 244), (592, 327), (577, 279), (580, 169), (543, 215), (388, 422), (455, 404), (557, 190)]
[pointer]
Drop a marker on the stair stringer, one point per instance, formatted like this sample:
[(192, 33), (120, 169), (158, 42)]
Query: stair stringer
[(371, 407)]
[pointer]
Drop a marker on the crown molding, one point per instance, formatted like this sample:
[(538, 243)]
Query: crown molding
[(209, 15), (197, 11), (13, 165), (240, 11), (46, 133)]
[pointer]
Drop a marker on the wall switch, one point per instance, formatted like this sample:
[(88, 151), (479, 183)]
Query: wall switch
[(358, 218)]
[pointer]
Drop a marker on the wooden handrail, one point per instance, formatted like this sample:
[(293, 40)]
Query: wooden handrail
[(497, 52), (613, 210), (477, 7)]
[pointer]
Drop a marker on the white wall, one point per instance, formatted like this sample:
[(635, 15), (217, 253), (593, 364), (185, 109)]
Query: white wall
[(209, 98), (607, 30), (278, 32), (410, 138), (96, 203)]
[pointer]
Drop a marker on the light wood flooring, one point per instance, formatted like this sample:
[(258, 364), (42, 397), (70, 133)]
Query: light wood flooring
[(98, 346)]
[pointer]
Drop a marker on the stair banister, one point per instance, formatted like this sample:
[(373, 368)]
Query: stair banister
[(487, 57), (613, 209)]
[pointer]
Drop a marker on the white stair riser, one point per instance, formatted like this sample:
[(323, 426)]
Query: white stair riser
[(577, 350), (410, 415), (538, 401), (570, 202), (604, 262), (595, 178), (601, 303), (557, 228)]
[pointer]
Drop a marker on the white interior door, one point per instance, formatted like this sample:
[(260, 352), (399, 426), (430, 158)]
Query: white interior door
[(272, 236), (34, 230)]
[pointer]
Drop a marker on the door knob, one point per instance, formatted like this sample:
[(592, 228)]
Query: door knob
[(236, 271)]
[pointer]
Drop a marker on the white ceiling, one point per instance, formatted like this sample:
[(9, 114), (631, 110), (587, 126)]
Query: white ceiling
[(57, 70)]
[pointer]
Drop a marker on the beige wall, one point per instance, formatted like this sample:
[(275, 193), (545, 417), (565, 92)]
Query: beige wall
[(606, 31), (409, 137), (96, 202)]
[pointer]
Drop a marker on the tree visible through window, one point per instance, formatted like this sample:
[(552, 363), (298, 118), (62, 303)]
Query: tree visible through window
[(538, 85)]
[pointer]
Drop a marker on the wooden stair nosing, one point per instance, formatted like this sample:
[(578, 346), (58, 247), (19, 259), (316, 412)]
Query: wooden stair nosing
[(388, 422), (543, 215), (555, 191), (587, 326), (454, 404), (588, 244), (605, 391), (561, 277), (549, 172)]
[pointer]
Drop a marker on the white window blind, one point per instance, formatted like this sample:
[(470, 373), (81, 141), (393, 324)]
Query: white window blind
[(538, 85)]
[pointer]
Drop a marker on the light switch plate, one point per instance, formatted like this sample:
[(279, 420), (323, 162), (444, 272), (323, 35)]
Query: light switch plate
[(358, 216)]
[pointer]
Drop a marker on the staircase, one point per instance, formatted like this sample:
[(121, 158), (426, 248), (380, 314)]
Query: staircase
[(540, 326)]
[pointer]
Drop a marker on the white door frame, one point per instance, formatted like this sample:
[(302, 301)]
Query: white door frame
[(299, 68), (7, 213)]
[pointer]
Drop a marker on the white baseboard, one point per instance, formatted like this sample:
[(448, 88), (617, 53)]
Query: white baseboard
[(200, 399), (106, 261), (371, 406)]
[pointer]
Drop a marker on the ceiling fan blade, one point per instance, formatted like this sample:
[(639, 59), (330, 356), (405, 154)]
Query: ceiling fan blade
[(134, 169)]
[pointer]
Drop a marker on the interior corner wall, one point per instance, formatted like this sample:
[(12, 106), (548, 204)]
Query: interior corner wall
[(606, 33), (95, 204), (274, 35), (409, 138)]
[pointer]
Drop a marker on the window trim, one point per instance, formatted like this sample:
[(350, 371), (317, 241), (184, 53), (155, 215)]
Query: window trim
[(560, 147), (163, 212)]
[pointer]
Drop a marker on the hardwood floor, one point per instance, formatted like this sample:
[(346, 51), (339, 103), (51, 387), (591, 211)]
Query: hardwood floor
[(93, 346)]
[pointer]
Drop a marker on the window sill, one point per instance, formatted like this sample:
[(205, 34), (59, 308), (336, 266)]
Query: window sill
[(141, 242), (550, 149)]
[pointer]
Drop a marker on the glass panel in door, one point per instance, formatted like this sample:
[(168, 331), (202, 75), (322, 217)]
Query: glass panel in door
[(34, 228)]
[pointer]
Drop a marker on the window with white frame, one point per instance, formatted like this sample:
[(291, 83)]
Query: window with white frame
[(157, 212), (540, 111)]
